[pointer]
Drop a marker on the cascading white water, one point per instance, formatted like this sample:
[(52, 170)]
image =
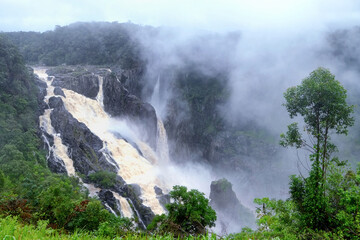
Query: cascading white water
[(124, 205), (59, 149), (155, 97), (133, 168), (100, 96), (162, 148)]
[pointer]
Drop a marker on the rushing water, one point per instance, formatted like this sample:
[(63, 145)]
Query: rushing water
[(133, 167)]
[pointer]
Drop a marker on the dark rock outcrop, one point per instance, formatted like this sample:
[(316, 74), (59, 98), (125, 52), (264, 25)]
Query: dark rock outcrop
[(41, 95), (55, 164), (163, 198), (237, 149), (131, 79), (84, 147), (120, 103), (107, 198), (86, 84), (59, 91), (146, 214), (227, 206)]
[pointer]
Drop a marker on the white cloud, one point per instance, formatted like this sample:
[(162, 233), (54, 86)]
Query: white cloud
[(218, 15)]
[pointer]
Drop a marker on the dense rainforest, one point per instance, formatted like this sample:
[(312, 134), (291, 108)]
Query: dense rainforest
[(320, 206)]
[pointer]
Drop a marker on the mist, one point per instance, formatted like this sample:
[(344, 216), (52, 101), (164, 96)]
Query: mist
[(259, 48), (260, 61)]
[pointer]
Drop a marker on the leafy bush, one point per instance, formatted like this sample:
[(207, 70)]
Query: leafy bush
[(105, 179), (188, 213)]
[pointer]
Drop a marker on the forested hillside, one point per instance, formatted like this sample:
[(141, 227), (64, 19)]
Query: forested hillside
[(81, 43), (105, 64), (28, 189)]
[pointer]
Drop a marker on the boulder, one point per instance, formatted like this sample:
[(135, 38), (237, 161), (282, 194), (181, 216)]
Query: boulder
[(59, 91)]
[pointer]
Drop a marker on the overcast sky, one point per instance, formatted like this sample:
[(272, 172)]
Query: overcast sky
[(214, 15)]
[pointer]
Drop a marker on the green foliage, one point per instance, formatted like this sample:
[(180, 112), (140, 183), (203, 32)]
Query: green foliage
[(190, 209), (189, 213), (203, 94), (28, 188), (2, 180), (90, 217), (321, 101), (292, 137), (116, 226), (325, 205), (105, 179), (81, 43)]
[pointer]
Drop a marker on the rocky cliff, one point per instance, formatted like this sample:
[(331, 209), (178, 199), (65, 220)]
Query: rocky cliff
[(119, 102), (86, 150), (231, 213)]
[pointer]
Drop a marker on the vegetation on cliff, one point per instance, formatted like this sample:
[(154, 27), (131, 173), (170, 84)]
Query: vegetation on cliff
[(81, 43)]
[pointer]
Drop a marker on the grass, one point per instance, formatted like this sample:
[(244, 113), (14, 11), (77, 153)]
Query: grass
[(12, 229)]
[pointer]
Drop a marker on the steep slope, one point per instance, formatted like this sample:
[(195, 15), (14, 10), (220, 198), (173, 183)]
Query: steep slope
[(87, 141)]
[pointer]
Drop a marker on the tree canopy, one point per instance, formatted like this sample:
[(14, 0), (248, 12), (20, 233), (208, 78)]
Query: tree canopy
[(321, 101)]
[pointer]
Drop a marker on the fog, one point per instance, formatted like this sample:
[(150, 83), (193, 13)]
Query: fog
[(214, 15), (260, 61), (262, 47)]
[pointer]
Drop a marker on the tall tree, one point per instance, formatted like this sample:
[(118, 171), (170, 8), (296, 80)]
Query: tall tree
[(321, 101)]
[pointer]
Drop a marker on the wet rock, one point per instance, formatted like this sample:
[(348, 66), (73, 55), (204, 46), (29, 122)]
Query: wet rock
[(136, 189), (227, 206), (145, 213), (41, 95), (55, 164), (163, 198), (83, 146), (120, 103), (107, 197), (86, 84), (231, 150), (158, 190), (131, 79), (55, 102), (59, 91)]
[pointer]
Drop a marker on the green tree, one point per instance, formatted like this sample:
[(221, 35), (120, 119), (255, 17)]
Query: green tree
[(189, 213), (321, 101)]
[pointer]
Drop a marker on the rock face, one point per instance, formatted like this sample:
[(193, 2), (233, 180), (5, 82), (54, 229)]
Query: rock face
[(86, 84), (107, 197), (131, 79), (228, 208), (84, 147), (59, 91), (120, 103), (85, 150), (237, 149), (56, 165), (42, 93)]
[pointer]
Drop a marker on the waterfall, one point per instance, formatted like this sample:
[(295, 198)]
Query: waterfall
[(59, 149), (138, 215), (155, 97), (133, 167), (123, 206), (162, 148), (100, 95), (110, 209)]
